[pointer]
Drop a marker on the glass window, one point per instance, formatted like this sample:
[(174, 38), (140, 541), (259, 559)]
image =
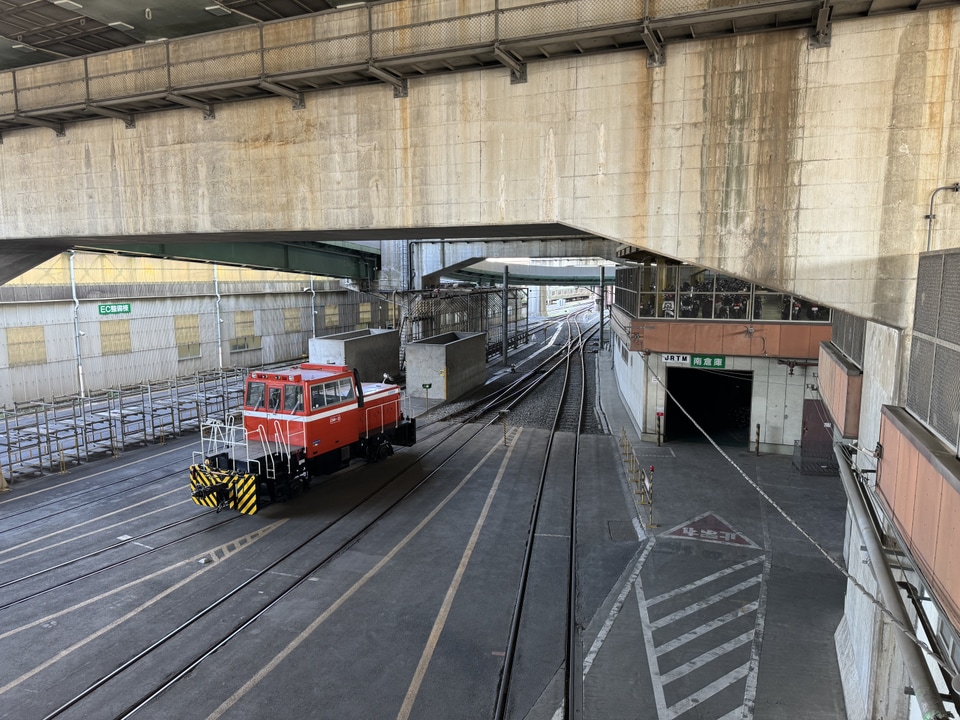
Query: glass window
[(275, 397), (331, 395), (345, 390), (255, 394), (647, 305), (292, 398), (812, 311), (316, 397)]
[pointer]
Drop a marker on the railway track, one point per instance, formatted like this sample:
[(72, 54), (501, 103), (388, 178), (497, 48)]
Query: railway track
[(233, 614)]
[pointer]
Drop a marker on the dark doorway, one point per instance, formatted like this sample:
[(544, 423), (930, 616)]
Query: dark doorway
[(719, 400)]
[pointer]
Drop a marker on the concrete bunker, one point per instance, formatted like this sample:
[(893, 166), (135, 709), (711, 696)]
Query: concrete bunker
[(446, 366), (372, 352)]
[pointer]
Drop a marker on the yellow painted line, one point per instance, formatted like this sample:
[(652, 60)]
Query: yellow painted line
[(444, 613), (217, 554), (96, 519), (79, 537), (311, 628), (87, 477)]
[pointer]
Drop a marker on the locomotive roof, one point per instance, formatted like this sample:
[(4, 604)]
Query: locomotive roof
[(304, 372)]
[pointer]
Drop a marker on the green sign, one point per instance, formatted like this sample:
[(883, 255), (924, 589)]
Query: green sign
[(114, 309), (708, 361)]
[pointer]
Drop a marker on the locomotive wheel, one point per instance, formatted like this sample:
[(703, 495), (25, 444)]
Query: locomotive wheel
[(384, 451)]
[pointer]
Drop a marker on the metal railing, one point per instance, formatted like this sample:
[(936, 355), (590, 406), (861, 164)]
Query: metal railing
[(323, 42), (38, 437)]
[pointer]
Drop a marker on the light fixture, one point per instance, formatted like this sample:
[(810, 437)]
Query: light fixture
[(24, 48), (120, 26), (217, 10), (68, 4)]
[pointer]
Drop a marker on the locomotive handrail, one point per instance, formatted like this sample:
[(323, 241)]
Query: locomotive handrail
[(270, 470), (291, 434)]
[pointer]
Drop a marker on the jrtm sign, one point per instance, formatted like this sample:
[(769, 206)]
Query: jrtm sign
[(114, 308), (695, 361)]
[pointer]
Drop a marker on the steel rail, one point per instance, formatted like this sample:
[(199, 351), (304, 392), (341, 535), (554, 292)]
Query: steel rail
[(503, 691), (176, 676)]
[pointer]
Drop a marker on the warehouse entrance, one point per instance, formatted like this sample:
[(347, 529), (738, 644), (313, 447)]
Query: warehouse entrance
[(719, 401)]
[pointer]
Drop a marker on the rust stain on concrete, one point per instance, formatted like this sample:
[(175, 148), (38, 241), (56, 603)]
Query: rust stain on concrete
[(750, 149)]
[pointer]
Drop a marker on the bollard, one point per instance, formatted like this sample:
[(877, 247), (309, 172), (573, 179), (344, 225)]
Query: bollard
[(3, 482), (63, 461), (658, 431), (503, 417), (758, 439)]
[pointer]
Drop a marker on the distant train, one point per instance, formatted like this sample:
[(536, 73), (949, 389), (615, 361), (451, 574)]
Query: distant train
[(298, 422)]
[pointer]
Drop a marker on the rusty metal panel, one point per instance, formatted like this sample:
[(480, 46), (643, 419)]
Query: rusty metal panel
[(887, 468), (926, 515), (904, 498), (946, 562)]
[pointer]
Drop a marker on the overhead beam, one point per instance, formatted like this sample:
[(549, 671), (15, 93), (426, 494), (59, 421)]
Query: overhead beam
[(207, 108), (309, 258), (399, 84), (518, 69), (822, 32), (57, 127), (128, 119), (656, 56), (295, 97)]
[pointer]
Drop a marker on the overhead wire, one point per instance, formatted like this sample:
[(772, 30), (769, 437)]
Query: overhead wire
[(907, 631)]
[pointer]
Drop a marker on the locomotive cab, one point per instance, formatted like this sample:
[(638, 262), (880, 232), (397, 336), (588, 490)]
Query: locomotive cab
[(298, 422)]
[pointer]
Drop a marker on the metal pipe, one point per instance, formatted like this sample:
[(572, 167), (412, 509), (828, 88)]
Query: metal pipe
[(313, 306), (506, 317), (602, 287), (924, 688), (930, 216), (216, 291), (76, 322)]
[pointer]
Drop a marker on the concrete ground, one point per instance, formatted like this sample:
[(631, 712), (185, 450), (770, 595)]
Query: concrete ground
[(725, 610)]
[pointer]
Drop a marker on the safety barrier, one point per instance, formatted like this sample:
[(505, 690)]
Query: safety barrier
[(639, 477)]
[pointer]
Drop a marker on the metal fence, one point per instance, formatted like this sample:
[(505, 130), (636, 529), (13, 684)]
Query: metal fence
[(49, 436)]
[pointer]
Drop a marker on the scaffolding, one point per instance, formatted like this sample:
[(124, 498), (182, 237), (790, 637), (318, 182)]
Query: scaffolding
[(40, 436)]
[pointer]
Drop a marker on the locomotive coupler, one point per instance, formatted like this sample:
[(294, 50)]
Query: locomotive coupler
[(221, 491)]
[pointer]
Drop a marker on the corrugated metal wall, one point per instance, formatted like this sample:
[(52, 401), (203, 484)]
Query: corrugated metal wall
[(127, 328)]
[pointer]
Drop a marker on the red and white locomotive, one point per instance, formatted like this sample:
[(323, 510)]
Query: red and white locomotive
[(298, 422)]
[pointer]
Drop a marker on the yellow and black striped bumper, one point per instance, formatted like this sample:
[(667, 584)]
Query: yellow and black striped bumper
[(223, 489)]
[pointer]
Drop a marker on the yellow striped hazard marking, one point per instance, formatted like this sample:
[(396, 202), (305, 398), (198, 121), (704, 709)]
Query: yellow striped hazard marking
[(238, 489)]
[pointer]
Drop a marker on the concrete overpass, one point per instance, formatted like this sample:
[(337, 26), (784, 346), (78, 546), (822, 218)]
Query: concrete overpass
[(667, 126)]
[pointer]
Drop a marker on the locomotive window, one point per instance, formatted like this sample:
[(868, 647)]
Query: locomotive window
[(346, 390), (274, 399), (292, 398), (316, 396), (255, 394)]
